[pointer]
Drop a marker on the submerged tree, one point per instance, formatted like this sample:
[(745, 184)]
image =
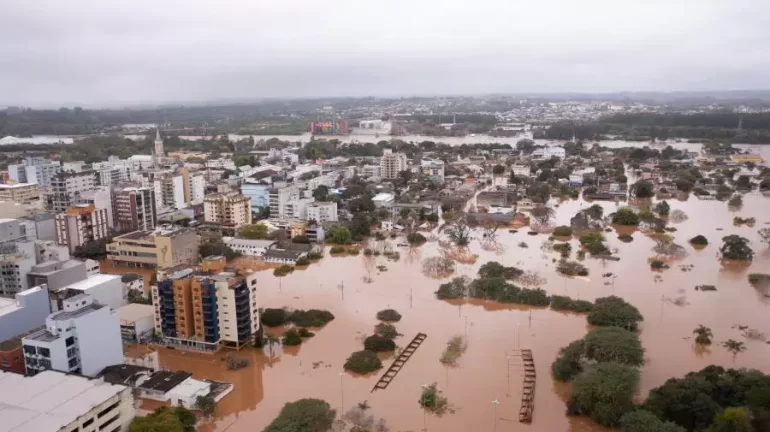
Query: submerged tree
[(735, 347), (542, 214), (735, 247), (459, 231), (704, 335)]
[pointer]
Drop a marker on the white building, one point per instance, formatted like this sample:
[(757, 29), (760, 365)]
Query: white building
[(278, 198), (391, 164), (140, 162), (433, 169), (101, 198), (105, 289), (371, 171), (82, 338), (57, 402), (521, 170), (92, 267), (67, 189), (159, 153), (137, 322), (177, 388), (73, 166), (26, 312), (322, 212), (40, 173), (197, 188), (383, 200), (247, 246), (549, 152)]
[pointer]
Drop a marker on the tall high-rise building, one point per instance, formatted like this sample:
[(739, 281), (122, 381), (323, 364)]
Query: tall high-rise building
[(66, 189), (82, 338), (391, 164), (166, 246), (134, 209), (204, 311), (81, 224)]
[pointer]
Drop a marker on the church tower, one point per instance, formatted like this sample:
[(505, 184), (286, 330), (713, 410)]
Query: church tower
[(159, 154)]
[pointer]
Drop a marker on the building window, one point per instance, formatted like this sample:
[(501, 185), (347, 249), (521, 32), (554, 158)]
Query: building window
[(69, 341), (87, 423)]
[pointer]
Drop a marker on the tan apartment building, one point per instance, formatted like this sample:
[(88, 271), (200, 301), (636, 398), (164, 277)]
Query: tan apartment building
[(206, 308), (166, 246), (230, 209), (22, 193), (81, 224)]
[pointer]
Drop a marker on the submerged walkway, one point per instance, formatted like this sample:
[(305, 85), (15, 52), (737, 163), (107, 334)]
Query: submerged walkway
[(528, 390), (400, 361)]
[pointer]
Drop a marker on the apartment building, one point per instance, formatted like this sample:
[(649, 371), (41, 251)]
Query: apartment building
[(81, 224), (258, 193), (279, 198), (35, 263), (194, 186), (231, 209), (83, 338), (18, 316), (23, 193), (322, 212), (57, 402), (134, 209), (391, 164), (101, 198), (66, 189), (35, 170), (169, 191), (166, 246), (206, 312), (433, 169), (105, 289)]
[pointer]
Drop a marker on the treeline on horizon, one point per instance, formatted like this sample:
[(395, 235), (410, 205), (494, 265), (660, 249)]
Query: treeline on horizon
[(721, 126)]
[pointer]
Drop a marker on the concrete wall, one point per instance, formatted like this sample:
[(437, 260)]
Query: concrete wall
[(34, 309), (99, 341)]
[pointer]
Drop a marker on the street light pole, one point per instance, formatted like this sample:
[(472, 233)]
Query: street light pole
[(496, 403), (508, 374), (342, 394)]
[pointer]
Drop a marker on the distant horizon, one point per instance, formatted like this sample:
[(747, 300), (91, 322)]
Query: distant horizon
[(718, 94)]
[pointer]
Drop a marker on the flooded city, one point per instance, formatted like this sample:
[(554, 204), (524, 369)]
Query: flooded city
[(484, 389)]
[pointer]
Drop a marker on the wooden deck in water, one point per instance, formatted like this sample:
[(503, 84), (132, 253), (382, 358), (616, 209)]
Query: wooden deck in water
[(399, 362), (528, 390)]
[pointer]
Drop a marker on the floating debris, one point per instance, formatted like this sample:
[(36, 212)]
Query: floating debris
[(705, 288)]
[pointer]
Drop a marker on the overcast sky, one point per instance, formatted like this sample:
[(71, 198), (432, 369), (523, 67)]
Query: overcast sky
[(117, 52)]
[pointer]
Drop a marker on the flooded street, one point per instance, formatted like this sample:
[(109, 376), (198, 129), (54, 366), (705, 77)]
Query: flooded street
[(485, 372)]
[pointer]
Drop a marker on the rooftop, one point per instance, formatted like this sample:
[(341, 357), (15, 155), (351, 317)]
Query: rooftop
[(49, 400), (91, 282), (133, 312), (282, 254), (130, 277), (248, 242), (164, 381), (123, 373), (65, 315), (7, 306), (17, 185)]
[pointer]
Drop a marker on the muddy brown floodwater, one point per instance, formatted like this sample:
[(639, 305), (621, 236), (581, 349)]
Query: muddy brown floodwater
[(494, 331)]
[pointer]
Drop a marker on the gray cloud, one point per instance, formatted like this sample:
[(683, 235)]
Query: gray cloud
[(139, 51)]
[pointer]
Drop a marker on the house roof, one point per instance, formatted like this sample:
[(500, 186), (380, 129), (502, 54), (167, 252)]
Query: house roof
[(165, 381)]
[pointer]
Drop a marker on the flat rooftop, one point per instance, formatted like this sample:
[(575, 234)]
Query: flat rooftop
[(17, 185), (91, 282), (7, 306), (133, 312), (164, 381), (49, 400)]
